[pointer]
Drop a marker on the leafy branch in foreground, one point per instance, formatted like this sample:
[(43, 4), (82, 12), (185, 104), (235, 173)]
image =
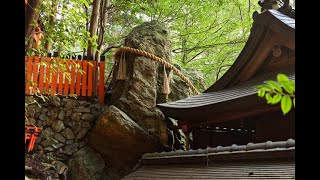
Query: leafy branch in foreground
[(280, 91)]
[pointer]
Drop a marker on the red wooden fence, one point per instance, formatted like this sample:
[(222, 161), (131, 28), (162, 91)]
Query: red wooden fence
[(63, 76)]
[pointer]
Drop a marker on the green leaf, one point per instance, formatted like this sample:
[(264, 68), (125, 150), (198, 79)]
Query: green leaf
[(282, 78), (261, 93), (268, 98), (294, 102), (264, 87), (276, 98), (274, 85), (288, 86), (286, 104)]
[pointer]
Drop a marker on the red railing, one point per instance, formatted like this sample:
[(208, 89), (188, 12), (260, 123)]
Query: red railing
[(53, 76)]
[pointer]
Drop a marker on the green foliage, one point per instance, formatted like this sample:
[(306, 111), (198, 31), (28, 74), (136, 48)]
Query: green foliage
[(280, 91), (68, 32), (286, 104), (206, 35)]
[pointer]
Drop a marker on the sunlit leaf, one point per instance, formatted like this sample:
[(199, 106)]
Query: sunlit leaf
[(286, 104), (294, 102), (268, 98), (274, 85), (264, 87), (289, 87), (261, 93), (282, 78), (276, 98)]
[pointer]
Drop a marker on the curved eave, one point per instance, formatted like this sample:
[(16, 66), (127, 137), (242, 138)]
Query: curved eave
[(217, 112), (269, 20), (282, 24), (224, 103)]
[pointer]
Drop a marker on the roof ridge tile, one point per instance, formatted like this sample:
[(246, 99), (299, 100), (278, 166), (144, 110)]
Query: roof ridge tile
[(288, 144)]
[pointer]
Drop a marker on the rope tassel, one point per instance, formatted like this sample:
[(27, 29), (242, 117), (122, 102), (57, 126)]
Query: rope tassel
[(166, 82), (122, 68), (161, 61)]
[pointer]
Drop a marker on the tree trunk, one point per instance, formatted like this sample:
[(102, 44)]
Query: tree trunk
[(30, 16), (87, 26), (52, 20), (93, 26), (103, 20), (104, 17)]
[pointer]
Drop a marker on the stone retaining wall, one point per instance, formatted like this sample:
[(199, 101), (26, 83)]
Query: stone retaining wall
[(65, 123)]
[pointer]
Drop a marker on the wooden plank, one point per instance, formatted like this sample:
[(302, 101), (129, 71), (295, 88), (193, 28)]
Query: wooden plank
[(60, 87), (54, 76), (78, 80), (35, 74), (90, 73), (41, 74), (101, 82), (47, 75), (28, 75), (94, 80), (84, 78), (67, 80), (72, 76)]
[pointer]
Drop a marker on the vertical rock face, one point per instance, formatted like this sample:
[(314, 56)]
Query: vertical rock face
[(179, 89), (137, 95), (120, 140), (87, 164)]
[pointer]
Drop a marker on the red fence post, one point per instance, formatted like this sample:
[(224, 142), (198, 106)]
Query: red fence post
[(47, 76), (101, 82), (28, 75), (78, 80), (35, 74), (84, 78), (41, 74), (91, 66), (54, 70)]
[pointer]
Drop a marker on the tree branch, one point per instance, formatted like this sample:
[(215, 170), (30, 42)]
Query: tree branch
[(195, 56), (176, 12), (207, 46), (209, 28), (181, 16), (240, 13), (219, 70), (109, 48)]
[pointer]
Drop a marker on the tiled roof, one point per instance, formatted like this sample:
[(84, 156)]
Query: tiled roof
[(266, 146), (217, 171), (203, 164), (245, 89)]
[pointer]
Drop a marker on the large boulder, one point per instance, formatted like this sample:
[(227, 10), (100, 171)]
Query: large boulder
[(179, 89), (120, 140), (86, 164), (138, 94)]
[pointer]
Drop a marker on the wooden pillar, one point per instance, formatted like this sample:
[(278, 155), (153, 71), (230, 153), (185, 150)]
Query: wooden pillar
[(185, 131)]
